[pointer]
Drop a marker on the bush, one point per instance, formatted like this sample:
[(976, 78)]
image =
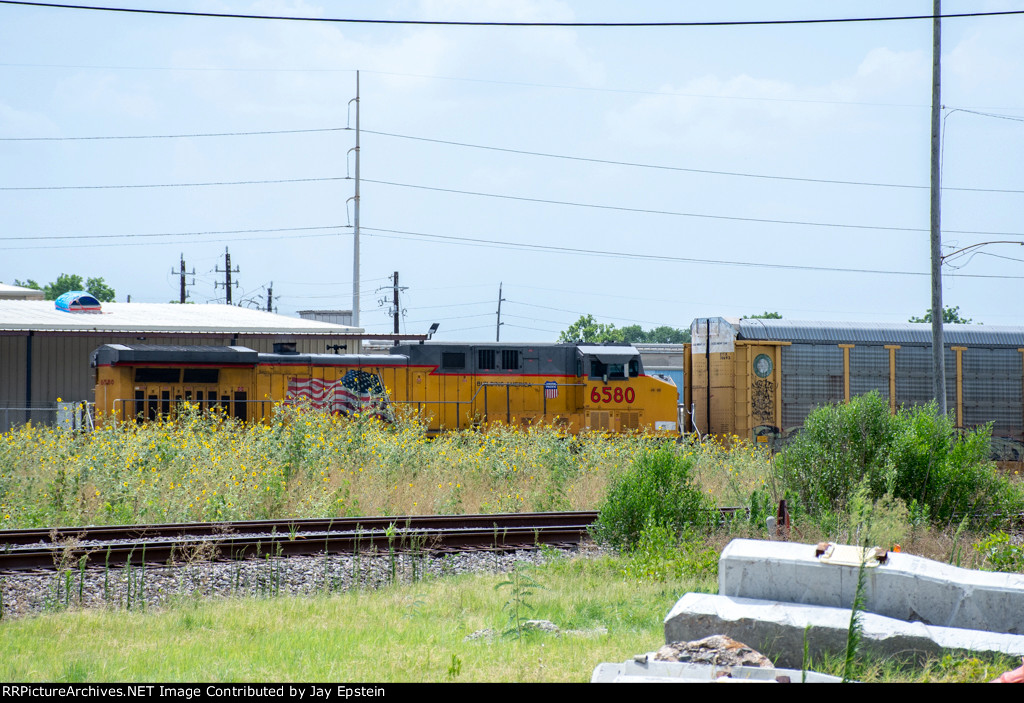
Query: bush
[(657, 490), (917, 456)]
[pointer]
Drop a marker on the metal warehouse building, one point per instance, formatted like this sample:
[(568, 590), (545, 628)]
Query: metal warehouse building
[(44, 351)]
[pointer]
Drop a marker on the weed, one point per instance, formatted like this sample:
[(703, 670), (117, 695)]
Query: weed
[(522, 586), (657, 488), (455, 668), (1000, 553)]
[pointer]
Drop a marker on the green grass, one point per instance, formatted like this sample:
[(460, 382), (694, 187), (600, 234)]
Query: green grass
[(409, 633), (405, 633)]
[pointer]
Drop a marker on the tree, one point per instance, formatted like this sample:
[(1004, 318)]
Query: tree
[(587, 329), (68, 282), (950, 315), (103, 292), (764, 316)]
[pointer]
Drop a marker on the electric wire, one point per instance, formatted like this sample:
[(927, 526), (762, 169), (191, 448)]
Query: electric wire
[(484, 23), (673, 213), (659, 257)]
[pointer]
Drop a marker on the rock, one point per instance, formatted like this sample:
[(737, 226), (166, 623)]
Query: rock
[(719, 650)]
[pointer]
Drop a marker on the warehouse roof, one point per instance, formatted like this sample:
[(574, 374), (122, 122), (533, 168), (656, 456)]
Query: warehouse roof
[(42, 315), (877, 332), (9, 292)]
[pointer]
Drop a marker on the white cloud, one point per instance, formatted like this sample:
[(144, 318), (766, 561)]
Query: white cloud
[(742, 113)]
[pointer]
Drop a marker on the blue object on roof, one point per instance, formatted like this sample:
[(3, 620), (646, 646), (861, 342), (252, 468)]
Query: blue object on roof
[(77, 301)]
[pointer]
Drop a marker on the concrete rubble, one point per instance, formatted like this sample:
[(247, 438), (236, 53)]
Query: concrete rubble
[(770, 592), (904, 586), (715, 659), (778, 629), (779, 596)]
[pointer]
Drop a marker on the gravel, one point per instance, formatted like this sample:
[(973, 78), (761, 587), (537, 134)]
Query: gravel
[(135, 588)]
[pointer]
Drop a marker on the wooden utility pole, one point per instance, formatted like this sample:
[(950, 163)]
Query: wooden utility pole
[(182, 272), (227, 275), (497, 336), (398, 310), (938, 345)]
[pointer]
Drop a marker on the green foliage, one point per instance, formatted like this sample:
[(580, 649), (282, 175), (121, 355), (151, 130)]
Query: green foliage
[(103, 292), (662, 555), (588, 329), (917, 456), (68, 282), (950, 315), (764, 316), (1001, 554), (658, 489), (522, 585)]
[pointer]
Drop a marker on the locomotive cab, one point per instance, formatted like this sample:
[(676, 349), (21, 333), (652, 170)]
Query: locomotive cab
[(608, 363)]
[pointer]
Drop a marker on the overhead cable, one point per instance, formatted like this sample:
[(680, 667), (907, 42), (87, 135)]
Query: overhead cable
[(483, 23)]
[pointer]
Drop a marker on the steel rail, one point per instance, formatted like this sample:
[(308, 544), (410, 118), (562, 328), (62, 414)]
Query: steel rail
[(358, 535), (283, 527)]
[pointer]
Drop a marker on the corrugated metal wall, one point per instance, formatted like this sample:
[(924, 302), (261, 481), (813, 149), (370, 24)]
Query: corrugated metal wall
[(812, 375), (992, 389), (869, 371), (914, 376), (60, 365)]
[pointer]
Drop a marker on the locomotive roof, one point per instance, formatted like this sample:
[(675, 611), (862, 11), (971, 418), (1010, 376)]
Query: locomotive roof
[(109, 354)]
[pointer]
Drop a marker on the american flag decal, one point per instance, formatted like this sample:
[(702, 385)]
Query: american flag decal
[(550, 389), (357, 392)]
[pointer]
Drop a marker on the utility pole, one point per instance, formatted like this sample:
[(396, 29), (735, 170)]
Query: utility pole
[(270, 297), (355, 222), (182, 272), (397, 308), (938, 345), (227, 274), (497, 336)]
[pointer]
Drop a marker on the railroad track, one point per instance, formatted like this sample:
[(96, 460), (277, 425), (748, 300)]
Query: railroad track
[(116, 546)]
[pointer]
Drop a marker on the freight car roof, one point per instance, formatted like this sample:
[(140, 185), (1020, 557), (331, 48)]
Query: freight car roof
[(877, 332)]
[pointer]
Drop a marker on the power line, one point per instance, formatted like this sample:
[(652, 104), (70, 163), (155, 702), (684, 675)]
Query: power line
[(178, 185), (658, 257), (507, 150), (481, 23), (172, 136), (173, 234), (248, 239), (648, 211), (691, 170)]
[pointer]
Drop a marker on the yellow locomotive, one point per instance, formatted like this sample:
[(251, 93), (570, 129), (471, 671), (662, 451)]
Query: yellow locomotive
[(449, 386)]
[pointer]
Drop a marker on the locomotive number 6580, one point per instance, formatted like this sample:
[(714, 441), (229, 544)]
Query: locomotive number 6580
[(608, 395)]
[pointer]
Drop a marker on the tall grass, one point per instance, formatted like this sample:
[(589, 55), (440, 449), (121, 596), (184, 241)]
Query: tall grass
[(299, 464)]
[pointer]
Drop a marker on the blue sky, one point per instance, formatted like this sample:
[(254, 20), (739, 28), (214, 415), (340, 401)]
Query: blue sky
[(750, 127)]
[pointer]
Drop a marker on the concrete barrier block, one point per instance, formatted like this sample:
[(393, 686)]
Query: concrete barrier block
[(905, 587), (645, 669), (777, 630)]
